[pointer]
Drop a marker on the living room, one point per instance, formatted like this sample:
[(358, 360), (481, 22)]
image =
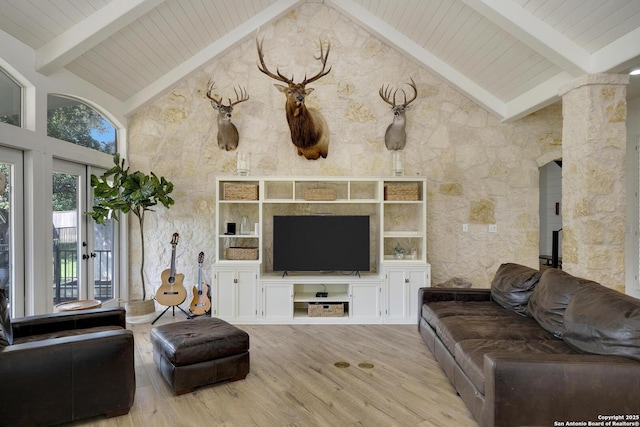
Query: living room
[(481, 163)]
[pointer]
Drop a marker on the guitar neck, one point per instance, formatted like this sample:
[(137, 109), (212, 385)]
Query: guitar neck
[(199, 277), (172, 272)]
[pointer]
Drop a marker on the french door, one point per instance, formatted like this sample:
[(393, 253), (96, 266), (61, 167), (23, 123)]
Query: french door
[(11, 229), (84, 253)]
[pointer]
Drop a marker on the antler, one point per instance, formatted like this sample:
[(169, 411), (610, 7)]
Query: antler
[(240, 97), (210, 87), (415, 93), (243, 94), (323, 58), (386, 92), (385, 95), (264, 68)]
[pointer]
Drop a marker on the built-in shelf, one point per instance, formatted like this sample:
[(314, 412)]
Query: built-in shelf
[(249, 291), (311, 297)]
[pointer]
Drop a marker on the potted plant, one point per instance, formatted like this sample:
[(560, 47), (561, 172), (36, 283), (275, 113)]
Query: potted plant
[(120, 191), (399, 251)]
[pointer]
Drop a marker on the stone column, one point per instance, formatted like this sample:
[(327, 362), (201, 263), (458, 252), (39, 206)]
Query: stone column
[(594, 139)]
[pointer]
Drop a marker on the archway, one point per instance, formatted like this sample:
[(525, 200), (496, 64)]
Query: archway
[(551, 214)]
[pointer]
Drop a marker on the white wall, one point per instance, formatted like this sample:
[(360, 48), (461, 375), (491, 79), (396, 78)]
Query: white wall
[(632, 255)]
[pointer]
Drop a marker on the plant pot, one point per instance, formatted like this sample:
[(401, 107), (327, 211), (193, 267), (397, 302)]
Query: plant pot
[(140, 311)]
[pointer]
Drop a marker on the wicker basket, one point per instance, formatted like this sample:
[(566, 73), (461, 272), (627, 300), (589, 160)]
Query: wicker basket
[(241, 253), (234, 191), (319, 194), (402, 191), (325, 309)]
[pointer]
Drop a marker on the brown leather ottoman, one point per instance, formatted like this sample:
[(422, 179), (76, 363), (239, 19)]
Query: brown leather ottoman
[(202, 351)]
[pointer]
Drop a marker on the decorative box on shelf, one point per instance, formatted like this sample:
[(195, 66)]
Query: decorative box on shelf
[(319, 194), (320, 309), (402, 191), (237, 191), (235, 253)]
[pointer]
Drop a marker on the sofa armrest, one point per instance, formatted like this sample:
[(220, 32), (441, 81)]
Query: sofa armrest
[(82, 319), (63, 379), (426, 295), (538, 389)]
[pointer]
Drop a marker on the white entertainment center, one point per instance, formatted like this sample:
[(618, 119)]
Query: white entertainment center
[(247, 290)]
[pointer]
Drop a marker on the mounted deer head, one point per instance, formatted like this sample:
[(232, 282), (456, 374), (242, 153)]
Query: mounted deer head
[(227, 132), (395, 137), (309, 130)]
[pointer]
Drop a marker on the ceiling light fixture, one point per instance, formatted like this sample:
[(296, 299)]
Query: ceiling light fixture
[(635, 72)]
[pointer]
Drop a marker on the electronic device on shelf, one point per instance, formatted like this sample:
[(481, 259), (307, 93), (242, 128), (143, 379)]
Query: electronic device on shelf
[(321, 243)]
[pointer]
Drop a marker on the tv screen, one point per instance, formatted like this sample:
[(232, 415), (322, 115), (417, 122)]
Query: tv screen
[(321, 243)]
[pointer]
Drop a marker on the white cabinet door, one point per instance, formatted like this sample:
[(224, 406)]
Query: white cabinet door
[(247, 289), (277, 302), (402, 284), (235, 293), (418, 278), (365, 302), (396, 294), (224, 294)]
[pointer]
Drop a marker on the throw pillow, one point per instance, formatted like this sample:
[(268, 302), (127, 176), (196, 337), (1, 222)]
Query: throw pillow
[(5, 318), (551, 297), (512, 286)]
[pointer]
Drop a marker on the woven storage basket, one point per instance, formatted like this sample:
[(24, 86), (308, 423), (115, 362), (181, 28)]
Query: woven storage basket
[(402, 191), (319, 194), (241, 253), (234, 191), (325, 310)]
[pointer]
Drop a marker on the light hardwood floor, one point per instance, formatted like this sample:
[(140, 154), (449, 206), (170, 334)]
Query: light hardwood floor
[(294, 382)]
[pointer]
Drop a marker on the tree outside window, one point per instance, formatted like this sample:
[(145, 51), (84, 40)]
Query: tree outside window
[(74, 121)]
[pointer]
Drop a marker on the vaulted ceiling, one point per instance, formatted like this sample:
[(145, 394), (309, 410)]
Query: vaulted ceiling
[(510, 56)]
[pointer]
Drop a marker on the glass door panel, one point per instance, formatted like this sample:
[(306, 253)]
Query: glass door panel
[(66, 232), (103, 259), (11, 242), (84, 255)]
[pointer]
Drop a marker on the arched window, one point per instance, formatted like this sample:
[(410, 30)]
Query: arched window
[(10, 100), (76, 122)]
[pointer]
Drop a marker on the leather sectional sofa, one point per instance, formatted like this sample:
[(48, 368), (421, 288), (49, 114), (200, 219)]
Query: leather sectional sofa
[(62, 367), (537, 349)]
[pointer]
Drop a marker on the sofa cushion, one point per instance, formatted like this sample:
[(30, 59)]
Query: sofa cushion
[(470, 353), (454, 329), (434, 311), (5, 319), (551, 297), (603, 321), (512, 286)]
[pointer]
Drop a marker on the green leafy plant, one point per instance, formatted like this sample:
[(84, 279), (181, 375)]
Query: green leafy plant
[(399, 250), (120, 191)]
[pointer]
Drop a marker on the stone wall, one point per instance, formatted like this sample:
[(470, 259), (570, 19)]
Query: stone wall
[(480, 171), (593, 202)]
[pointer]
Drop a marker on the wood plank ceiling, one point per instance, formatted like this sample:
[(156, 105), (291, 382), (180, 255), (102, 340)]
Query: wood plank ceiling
[(510, 56)]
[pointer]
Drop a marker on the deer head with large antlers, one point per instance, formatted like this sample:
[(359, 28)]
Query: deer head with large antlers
[(395, 137), (227, 132), (309, 130)]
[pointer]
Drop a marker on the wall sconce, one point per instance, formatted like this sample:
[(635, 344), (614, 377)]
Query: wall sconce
[(243, 163), (397, 162)]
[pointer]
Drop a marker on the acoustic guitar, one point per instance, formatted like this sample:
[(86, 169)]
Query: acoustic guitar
[(172, 291), (200, 304)]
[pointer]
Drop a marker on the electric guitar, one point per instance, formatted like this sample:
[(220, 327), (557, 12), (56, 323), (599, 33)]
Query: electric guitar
[(172, 292), (200, 304)]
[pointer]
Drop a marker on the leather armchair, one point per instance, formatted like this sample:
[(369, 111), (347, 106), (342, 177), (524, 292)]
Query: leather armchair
[(67, 366)]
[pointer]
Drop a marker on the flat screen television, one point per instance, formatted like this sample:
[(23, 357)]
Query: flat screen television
[(321, 243)]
